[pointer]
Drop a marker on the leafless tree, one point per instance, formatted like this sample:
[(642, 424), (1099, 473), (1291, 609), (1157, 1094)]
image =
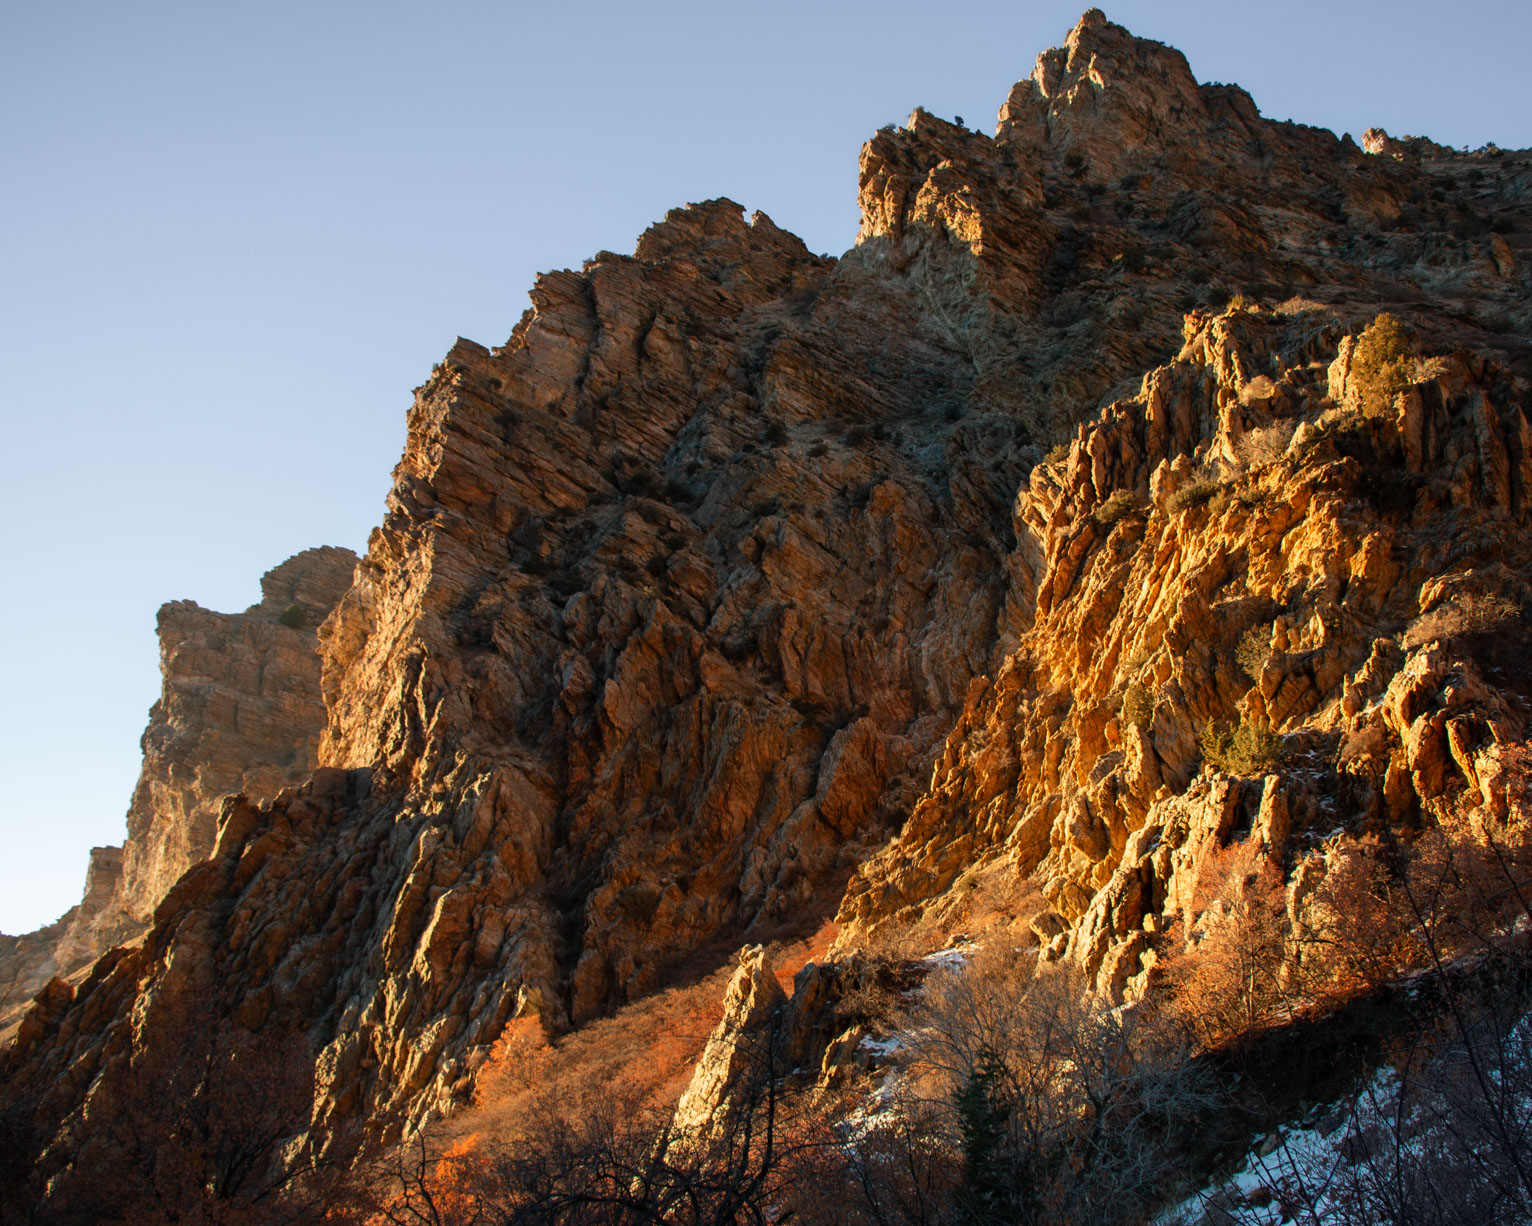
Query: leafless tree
[(1442, 1133), (603, 1160), (1063, 1109)]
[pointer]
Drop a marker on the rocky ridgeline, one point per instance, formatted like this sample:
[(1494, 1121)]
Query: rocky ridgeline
[(239, 712), (740, 574)]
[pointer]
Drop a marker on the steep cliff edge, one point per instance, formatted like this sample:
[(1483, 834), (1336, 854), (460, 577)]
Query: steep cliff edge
[(239, 713), (735, 561)]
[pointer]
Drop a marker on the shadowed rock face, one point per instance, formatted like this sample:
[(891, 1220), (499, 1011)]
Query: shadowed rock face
[(1060, 255), (735, 561)]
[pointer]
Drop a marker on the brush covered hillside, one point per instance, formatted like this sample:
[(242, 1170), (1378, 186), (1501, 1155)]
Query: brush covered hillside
[(1014, 724)]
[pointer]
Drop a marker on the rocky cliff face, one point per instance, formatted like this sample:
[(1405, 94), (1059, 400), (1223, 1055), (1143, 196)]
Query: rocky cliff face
[(1239, 548), (29, 961), (1061, 254), (239, 713), (735, 561)]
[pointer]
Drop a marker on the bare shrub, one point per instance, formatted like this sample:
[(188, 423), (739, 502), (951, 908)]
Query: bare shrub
[(1062, 1109), (606, 1156), (898, 1169), (1264, 444), (1262, 387), (1356, 931), (1230, 982), (1439, 1135), (1465, 615), (560, 1129), (1452, 1145), (1385, 909)]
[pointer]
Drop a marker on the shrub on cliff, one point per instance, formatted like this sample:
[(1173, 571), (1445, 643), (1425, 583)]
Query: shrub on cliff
[(1137, 706), (1469, 615), (1244, 749), (1254, 650), (1264, 445), (1119, 506), (1193, 494), (1383, 363)]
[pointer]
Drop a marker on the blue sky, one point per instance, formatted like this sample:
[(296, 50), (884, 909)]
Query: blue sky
[(236, 235)]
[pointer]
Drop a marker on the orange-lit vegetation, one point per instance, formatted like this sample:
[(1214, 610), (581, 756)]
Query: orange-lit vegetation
[(609, 1156), (1232, 980), (1382, 908), (645, 1052), (1382, 362)]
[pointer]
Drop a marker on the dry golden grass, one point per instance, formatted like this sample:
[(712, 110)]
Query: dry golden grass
[(645, 1052)]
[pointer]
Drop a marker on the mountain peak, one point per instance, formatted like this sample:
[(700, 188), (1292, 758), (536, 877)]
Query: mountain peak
[(1105, 92)]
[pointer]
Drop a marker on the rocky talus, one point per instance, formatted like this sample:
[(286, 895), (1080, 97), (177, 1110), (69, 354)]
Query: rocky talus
[(744, 587), (239, 713)]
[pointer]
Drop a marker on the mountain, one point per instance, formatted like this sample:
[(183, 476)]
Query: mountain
[(1148, 483), (239, 713)]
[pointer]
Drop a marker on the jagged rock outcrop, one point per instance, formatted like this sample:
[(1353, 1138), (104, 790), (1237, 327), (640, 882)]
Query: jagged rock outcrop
[(814, 1037), (1061, 254), (29, 961), (1222, 509), (739, 1047), (239, 713), (735, 560)]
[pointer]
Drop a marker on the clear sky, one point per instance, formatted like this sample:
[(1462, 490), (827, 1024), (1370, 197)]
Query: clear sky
[(233, 236)]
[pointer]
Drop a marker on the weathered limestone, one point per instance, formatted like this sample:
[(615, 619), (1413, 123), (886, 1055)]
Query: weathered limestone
[(1338, 550), (736, 561)]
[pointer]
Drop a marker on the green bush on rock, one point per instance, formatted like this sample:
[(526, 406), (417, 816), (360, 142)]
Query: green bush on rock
[(1246, 749)]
